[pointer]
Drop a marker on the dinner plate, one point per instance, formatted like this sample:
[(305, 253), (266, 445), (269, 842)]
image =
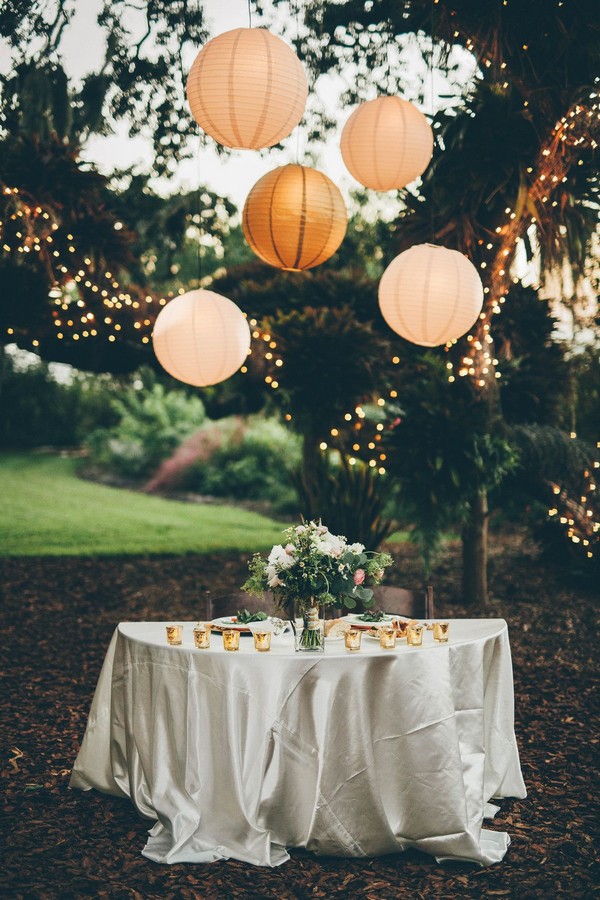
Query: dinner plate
[(356, 622), (230, 622)]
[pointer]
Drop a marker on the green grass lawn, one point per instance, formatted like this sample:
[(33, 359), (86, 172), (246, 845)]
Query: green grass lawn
[(45, 510)]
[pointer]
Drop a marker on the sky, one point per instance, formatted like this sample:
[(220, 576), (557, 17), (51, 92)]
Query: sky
[(82, 50), (231, 177)]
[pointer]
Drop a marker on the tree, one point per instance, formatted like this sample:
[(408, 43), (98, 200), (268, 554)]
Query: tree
[(514, 163), (81, 266), (80, 285), (135, 84)]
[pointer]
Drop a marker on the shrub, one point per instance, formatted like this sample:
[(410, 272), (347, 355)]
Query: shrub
[(152, 422), (254, 466), (352, 499), (37, 409)]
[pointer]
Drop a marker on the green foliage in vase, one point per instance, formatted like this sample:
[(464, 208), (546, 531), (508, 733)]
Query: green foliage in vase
[(315, 565)]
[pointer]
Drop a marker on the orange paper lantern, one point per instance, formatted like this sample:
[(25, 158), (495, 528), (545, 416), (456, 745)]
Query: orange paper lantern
[(201, 338), (430, 295), (386, 143), (247, 89), (294, 218)]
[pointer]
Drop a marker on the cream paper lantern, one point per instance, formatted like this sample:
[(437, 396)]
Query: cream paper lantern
[(247, 89), (386, 143), (294, 218), (201, 338), (430, 295)]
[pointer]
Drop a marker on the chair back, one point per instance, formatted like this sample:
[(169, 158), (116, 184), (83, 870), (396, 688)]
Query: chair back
[(230, 604), (415, 604)]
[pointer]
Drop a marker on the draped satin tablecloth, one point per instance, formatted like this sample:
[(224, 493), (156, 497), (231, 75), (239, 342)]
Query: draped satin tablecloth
[(240, 755)]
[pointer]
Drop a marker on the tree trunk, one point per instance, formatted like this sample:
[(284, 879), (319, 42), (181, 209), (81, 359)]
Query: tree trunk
[(474, 550)]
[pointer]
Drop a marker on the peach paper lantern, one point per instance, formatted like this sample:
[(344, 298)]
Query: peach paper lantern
[(294, 218), (386, 143), (247, 89), (201, 338), (430, 295)]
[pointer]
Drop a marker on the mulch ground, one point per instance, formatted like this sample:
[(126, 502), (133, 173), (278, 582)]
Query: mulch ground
[(59, 615)]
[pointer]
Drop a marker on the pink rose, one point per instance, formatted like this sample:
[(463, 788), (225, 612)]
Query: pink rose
[(359, 576)]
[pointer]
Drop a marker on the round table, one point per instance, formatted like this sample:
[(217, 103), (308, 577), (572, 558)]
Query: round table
[(244, 754)]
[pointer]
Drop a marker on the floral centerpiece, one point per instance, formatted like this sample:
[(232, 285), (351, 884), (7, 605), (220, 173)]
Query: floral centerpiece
[(314, 568)]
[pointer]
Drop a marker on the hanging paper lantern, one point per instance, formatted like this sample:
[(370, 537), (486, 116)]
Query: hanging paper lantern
[(386, 143), (430, 295), (294, 218), (201, 338), (247, 89)]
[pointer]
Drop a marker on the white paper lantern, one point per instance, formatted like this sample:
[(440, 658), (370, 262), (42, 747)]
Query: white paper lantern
[(201, 338), (247, 89), (430, 295), (294, 218), (386, 143)]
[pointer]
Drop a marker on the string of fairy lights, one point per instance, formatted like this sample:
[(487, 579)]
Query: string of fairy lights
[(28, 228), (34, 230), (551, 169), (79, 323), (576, 513)]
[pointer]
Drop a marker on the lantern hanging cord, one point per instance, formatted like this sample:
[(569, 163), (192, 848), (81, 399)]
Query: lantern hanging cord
[(200, 225), (298, 47), (432, 203)]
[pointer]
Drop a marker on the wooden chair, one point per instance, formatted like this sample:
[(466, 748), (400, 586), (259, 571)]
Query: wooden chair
[(415, 604), (229, 604)]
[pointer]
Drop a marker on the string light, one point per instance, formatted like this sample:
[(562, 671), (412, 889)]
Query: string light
[(38, 231)]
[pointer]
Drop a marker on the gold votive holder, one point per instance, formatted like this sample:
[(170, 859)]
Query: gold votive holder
[(440, 632), (231, 639), (352, 639), (414, 635), (174, 634), (401, 629), (262, 640), (202, 635), (387, 638)]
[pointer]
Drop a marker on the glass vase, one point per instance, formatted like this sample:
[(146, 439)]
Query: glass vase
[(308, 626)]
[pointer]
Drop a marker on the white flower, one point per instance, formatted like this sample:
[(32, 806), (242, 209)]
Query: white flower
[(331, 545), (357, 548), (280, 557), (275, 581)]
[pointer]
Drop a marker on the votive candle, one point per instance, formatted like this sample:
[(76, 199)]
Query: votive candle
[(352, 639), (174, 634), (262, 641), (387, 638), (440, 632), (231, 639), (414, 635), (401, 629), (202, 635)]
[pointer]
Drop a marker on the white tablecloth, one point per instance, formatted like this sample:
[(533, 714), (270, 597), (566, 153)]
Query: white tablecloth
[(351, 754)]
